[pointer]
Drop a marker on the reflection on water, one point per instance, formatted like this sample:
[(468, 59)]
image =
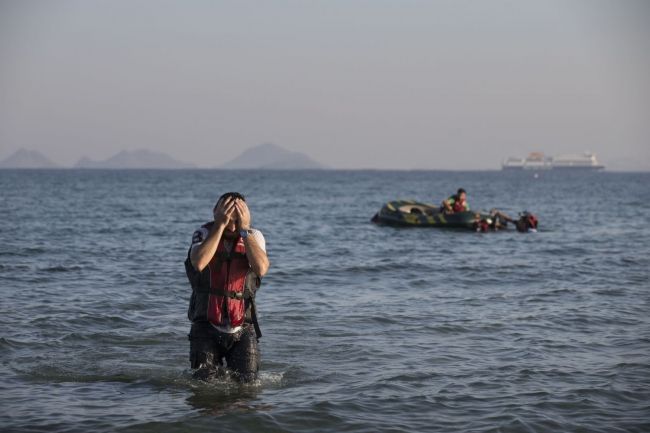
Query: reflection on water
[(224, 396)]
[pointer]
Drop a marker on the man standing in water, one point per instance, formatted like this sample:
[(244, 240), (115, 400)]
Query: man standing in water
[(224, 265)]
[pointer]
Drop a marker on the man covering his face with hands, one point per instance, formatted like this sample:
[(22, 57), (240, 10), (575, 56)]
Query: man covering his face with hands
[(225, 264)]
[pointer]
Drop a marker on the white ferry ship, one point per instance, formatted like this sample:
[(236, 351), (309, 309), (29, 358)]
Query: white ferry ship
[(538, 161)]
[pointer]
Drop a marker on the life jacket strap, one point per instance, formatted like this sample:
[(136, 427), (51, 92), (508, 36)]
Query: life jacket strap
[(256, 325), (228, 293), (225, 256), (246, 294)]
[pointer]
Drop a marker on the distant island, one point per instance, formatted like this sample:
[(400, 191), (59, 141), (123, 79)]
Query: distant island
[(24, 158), (135, 159), (269, 156)]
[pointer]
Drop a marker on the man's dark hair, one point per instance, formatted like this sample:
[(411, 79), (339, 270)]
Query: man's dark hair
[(234, 195), (460, 191)]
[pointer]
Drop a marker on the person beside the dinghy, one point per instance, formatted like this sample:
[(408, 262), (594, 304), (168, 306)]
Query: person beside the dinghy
[(224, 265), (526, 223), (456, 202)]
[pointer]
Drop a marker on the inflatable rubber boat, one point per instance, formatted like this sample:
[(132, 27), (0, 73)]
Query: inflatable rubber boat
[(409, 213)]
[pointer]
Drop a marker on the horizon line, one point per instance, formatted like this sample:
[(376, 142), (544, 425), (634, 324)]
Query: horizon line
[(62, 168)]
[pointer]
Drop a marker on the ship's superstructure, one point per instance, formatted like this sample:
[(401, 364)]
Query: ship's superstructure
[(538, 161)]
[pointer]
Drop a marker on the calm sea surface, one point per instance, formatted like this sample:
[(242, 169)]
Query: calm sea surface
[(366, 328)]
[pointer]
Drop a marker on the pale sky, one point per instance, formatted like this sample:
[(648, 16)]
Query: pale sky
[(354, 84)]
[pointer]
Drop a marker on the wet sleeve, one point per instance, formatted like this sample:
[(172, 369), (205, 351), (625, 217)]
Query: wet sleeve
[(259, 239)]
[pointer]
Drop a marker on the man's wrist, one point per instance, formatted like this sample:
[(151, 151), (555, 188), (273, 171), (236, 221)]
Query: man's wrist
[(219, 226)]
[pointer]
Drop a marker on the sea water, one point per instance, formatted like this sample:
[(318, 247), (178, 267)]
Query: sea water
[(366, 328)]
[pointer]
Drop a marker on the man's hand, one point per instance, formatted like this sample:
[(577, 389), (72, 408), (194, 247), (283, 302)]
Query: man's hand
[(224, 211), (243, 215), (257, 258)]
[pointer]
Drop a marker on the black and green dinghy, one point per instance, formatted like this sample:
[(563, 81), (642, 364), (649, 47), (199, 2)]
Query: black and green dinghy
[(409, 213)]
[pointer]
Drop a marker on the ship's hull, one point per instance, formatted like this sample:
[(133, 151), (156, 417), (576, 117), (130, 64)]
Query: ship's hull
[(578, 167), (537, 161), (555, 168)]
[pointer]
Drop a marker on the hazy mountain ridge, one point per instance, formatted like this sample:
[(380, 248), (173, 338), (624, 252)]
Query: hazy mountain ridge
[(24, 158), (266, 156), (140, 158), (270, 156)]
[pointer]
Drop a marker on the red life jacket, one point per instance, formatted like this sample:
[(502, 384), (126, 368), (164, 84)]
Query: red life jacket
[(228, 269), (459, 206), (224, 291)]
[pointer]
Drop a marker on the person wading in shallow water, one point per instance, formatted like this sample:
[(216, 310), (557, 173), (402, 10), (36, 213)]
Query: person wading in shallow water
[(224, 265)]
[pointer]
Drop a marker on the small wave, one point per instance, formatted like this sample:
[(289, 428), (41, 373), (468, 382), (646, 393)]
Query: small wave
[(8, 344), (147, 375), (447, 328), (618, 292), (14, 268), (26, 251), (225, 379), (412, 377), (60, 268), (272, 378), (384, 319), (87, 321)]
